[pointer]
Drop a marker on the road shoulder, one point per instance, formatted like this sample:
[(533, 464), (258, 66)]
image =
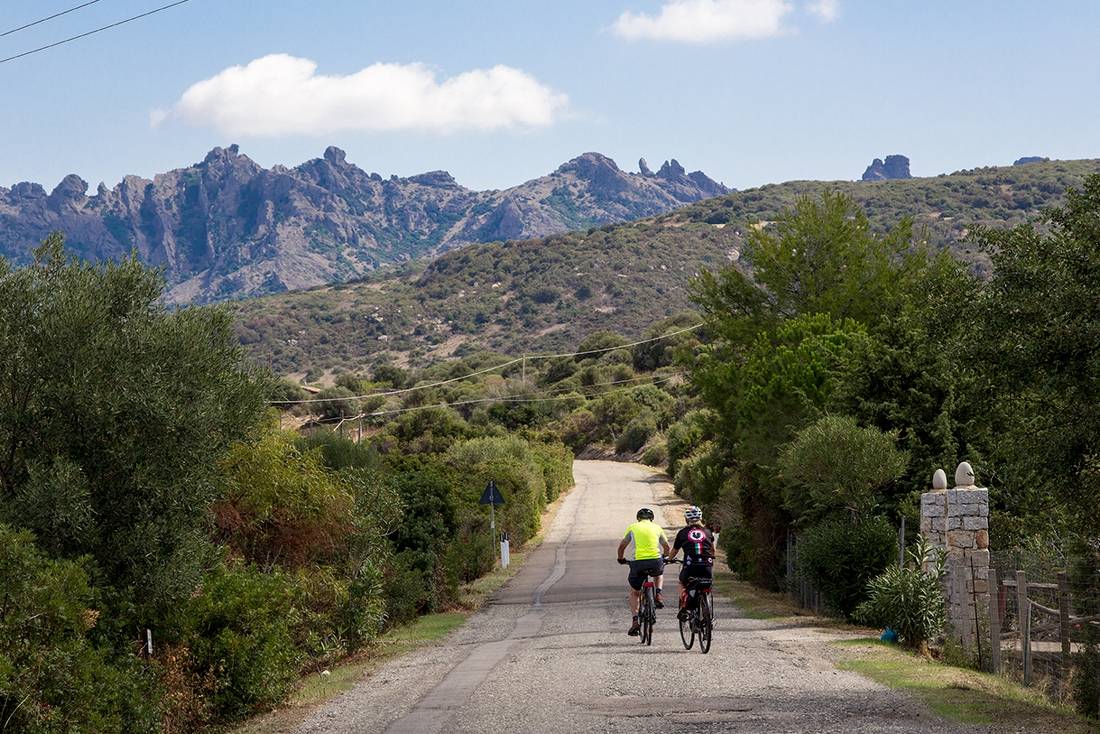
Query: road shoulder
[(317, 689)]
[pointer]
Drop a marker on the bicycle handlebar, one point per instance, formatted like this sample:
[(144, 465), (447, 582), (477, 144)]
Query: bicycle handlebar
[(623, 561)]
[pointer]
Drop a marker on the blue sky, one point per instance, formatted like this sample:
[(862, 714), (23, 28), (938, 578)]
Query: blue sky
[(750, 91)]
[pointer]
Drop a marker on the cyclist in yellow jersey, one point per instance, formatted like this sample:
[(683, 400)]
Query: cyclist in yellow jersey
[(650, 548)]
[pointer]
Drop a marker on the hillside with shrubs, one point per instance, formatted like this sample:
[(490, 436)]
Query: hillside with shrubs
[(547, 295)]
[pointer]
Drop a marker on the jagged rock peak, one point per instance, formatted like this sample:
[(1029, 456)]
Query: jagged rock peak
[(221, 154), (335, 156), (71, 187), (893, 168), (434, 178), (671, 169), (587, 163), (643, 167), (1030, 159)]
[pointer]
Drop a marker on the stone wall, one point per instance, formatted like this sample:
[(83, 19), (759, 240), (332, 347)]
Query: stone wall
[(957, 521)]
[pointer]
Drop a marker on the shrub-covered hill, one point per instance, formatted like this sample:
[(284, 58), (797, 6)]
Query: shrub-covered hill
[(539, 295)]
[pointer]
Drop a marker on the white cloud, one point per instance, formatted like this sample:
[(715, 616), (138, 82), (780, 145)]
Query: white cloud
[(706, 21), (826, 10), (284, 95)]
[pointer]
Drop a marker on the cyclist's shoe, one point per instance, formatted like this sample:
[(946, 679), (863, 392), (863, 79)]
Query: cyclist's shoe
[(635, 628), (659, 600), (682, 615)]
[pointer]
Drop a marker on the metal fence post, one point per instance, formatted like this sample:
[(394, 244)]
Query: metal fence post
[(994, 622)]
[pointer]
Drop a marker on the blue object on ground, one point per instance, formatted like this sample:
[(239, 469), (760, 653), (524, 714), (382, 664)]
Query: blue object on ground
[(889, 635)]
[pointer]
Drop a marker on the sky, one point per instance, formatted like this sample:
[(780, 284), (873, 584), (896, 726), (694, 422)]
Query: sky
[(501, 91)]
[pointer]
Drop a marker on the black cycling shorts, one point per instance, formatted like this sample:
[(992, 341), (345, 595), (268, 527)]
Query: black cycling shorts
[(695, 571), (639, 570)]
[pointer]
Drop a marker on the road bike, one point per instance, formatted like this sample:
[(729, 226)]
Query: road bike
[(699, 620)]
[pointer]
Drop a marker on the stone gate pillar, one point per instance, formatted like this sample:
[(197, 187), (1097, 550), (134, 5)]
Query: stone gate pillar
[(957, 521)]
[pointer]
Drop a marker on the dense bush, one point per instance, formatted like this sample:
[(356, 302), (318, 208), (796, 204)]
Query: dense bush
[(281, 504), (637, 432), (556, 462), (339, 452), (840, 557), (53, 679), (908, 600), (701, 475), (578, 428), (240, 632), (685, 435), (613, 411), (656, 453), (337, 402), (509, 462)]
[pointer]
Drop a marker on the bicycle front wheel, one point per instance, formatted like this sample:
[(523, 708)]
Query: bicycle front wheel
[(687, 632), (706, 623)]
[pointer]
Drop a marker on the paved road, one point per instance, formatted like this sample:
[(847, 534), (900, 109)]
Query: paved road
[(550, 653)]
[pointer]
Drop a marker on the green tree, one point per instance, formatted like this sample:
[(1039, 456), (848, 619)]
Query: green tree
[(117, 410), (835, 466), (1039, 322)]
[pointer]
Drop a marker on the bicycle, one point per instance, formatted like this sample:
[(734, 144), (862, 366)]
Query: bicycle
[(647, 610), (699, 620)]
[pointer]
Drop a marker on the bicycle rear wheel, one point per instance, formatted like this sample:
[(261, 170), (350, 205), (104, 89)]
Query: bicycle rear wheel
[(648, 616), (706, 623)]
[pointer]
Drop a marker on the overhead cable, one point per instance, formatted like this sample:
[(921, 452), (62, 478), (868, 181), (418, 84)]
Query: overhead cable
[(502, 365), (500, 399), (47, 18), (93, 32)]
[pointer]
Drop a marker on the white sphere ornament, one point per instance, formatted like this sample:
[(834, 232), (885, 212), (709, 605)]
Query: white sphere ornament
[(964, 475), (939, 480)]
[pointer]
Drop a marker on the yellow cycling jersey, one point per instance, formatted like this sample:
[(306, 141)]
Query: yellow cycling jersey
[(647, 536)]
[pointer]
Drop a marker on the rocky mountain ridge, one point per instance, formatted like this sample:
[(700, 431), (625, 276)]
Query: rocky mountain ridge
[(227, 227), (894, 168)]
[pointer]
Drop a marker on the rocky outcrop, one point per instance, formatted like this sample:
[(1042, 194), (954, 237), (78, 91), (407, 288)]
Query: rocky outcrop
[(1029, 159), (894, 167), (226, 227)]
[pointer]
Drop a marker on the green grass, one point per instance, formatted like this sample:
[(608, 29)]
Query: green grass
[(958, 694), (753, 602), (318, 687)]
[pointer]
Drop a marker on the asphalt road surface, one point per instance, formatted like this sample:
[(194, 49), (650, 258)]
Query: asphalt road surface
[(550, 652)]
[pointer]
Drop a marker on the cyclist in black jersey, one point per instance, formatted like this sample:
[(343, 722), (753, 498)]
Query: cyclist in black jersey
[(697, 542)]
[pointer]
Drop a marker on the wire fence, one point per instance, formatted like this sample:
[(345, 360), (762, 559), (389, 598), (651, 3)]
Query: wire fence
[(799, 588), (1043, 625)]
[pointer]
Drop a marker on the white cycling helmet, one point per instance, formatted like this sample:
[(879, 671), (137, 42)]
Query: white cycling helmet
[(693, 514)]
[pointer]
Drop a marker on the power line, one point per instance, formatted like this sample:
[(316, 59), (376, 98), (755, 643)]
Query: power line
[(509, 363), (620, 346), (48, 17), (499, 399), (93, 32)]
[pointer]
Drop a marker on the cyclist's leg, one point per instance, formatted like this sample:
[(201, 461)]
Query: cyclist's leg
[(635, 579)]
